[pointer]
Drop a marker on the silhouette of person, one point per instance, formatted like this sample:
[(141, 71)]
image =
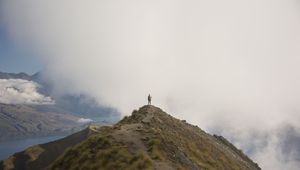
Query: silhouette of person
[(149, 99)]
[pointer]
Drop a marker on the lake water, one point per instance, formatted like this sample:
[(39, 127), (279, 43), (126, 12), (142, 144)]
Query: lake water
[(10, 147)]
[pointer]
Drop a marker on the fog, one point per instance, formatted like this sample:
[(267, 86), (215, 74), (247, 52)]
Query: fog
[(231, 67)]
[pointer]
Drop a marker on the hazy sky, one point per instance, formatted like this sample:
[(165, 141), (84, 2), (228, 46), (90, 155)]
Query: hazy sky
[(228, 66), (14, 58)]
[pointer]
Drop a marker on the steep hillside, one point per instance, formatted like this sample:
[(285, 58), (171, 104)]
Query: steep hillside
[(19, 121), (152, 139), (148, 139), (40, 156)]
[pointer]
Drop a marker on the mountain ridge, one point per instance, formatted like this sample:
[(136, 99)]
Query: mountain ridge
[(79, 104), (152, 139), (26, 120), (21, 75), (40, 156), (148, 139), (23, 121)]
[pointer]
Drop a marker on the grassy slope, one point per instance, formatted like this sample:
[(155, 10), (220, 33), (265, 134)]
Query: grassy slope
[(152, 139), (40, 156)]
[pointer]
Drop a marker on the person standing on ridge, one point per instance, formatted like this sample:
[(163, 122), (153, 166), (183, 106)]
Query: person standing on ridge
[(149, 99)]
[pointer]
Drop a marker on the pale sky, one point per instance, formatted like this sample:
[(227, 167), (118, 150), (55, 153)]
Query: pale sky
[(15, 59)]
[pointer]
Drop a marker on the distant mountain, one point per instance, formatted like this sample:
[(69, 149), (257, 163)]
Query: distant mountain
[(148, 139), (23, 76), (26, 111), (21, 121), (82, 105)]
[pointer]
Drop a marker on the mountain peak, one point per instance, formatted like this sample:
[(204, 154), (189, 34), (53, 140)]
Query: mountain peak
[(21, 75), (152, 139), (148, 139), (144, 115)]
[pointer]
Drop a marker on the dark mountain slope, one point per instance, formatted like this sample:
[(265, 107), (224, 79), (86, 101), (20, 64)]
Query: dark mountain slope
[(40, 156), (152, 139), (23, 76), (148, 139)]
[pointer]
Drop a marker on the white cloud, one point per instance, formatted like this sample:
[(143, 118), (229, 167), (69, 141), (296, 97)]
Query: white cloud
[(231, 64), (17, 91), (84, 120)]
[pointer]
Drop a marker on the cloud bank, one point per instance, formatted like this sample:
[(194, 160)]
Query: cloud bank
[(17, 91), (232, 67)]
